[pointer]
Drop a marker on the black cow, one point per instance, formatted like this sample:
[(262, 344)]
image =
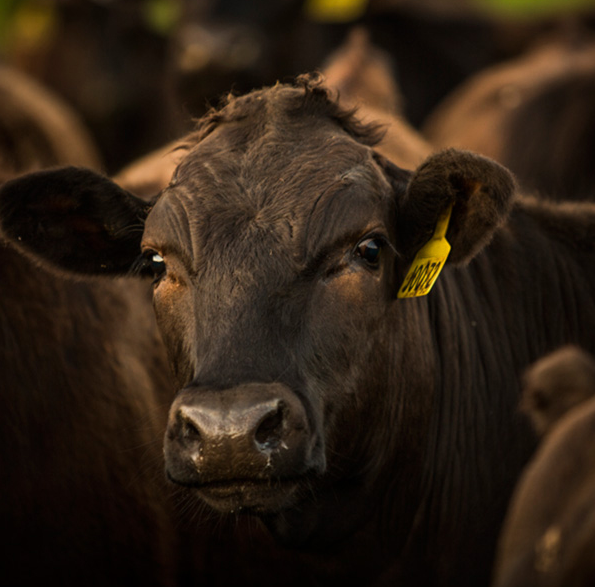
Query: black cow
[(376, 434), (85, 390), (83, 386)]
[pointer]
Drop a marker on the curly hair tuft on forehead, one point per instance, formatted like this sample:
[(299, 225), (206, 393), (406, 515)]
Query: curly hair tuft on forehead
[(308, 95)]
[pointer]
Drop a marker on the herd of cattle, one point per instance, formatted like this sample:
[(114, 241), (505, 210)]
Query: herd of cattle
[(225, 310)]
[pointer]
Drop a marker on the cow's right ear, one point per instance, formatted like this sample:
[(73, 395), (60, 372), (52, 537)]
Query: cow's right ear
[(75, 218), (479, 190)]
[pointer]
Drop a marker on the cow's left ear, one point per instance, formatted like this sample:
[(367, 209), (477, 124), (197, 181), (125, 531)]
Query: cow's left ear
[(480, 192), (75, 218)]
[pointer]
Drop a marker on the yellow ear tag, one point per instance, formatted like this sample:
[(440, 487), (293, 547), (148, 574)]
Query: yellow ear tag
[(428, 262), (335, 10)]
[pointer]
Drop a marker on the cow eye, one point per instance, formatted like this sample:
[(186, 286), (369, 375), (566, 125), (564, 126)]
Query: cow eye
[(155, 263), (370, 250)]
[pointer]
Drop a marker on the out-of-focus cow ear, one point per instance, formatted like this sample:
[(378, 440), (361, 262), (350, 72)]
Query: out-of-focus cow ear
[(480, 191), (75, 218)]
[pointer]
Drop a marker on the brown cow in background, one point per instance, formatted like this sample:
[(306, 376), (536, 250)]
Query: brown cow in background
[(38, 129), (548, 538), (535, 114), (555, 384), (362, 75)]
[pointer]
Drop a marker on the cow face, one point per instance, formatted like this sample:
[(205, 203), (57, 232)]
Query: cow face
[(273, 272), (276, 252)]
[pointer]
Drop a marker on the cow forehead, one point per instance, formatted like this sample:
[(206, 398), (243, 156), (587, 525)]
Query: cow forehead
[(245, 151), (195, 224), (275, 193)]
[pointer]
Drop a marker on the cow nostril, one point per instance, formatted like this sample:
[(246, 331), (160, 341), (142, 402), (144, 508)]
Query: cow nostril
[(269, 431), (189, 431)]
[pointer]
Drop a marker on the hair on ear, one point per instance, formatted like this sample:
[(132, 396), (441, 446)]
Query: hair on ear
[(480, 191)]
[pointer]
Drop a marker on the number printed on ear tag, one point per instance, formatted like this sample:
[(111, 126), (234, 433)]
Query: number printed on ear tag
[(428, 262)]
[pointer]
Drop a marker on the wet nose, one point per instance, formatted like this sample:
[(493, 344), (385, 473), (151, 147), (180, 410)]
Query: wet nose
[(259, 427), (248, 432)]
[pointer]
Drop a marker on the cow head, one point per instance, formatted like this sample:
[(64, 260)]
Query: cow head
[(277, 251)]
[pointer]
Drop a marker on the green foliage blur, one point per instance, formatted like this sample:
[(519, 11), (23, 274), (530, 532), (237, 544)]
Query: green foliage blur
[(524, 9), (30, 24)]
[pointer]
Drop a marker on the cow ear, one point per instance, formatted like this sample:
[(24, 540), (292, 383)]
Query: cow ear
[(479, 190), (75, 218)]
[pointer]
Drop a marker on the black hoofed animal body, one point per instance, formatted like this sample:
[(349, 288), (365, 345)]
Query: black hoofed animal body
[(83, 382), (357, 426)]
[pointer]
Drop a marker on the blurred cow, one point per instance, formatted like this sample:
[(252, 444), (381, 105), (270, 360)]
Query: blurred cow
[(555, 384), (38, 129), (362, 75), (534, 114), (548, 537)]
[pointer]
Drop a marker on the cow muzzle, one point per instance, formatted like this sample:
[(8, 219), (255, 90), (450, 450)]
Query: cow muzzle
[(249, 447)]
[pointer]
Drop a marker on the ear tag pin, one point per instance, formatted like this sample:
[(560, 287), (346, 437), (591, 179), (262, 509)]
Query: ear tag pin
[(428, 262)]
